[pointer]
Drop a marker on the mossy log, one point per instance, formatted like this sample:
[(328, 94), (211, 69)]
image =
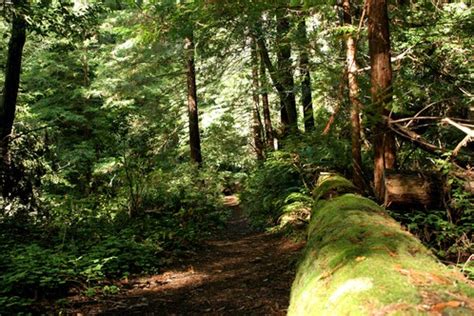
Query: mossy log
[(359, 261)]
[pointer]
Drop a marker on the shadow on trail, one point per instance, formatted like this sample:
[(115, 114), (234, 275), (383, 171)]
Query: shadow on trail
[(237, 272)]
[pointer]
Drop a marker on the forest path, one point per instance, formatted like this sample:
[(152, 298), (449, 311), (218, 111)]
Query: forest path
[(238, 272)]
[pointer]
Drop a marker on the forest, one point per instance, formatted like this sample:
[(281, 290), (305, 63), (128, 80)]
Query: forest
[(246, 157)]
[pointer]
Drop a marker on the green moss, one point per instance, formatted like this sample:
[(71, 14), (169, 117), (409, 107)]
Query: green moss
[(358, 260), (332, 183)]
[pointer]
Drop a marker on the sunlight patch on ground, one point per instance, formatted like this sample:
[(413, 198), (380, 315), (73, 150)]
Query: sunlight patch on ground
[(174, 280)]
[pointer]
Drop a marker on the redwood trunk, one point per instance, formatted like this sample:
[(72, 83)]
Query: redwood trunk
[(256, 124), (10, 95), (289, 116), (265, 59), (381, 91), (351, 52), (266, 108), (194, 137), (306, 97)]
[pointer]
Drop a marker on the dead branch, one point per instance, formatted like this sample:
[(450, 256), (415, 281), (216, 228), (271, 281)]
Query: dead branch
[(463, 127), (459, 126), (420, 142), (419, 118), (416, 139), (414, 118), (463, 143), (27, 132)]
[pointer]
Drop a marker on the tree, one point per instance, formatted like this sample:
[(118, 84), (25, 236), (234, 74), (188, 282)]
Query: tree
[(381, 91), (256, 120), (10, 92), (194, 136), (353, 85), (266, 106), (282, 74), (306, 97), (289, 118)]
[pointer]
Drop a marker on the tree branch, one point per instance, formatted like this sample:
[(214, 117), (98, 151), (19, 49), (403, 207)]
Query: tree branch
[(461, 127), (416, 139)]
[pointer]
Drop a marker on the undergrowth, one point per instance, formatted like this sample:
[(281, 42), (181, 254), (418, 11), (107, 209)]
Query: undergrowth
[(448, 232), (278, 191), (80, 246)]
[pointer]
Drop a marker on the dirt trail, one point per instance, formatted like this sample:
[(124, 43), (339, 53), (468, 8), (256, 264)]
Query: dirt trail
[(239, 272)]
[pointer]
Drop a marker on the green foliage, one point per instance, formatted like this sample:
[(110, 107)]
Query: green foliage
[(268, 187), (315, 152), (84, 247), (285, 180), (102, 138), (224, 147), (431, 78), (448, 232), (434, 227), (296, 201)]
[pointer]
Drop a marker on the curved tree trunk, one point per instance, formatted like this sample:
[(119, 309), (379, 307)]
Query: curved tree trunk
[(194, 136), (381, 91), (10, 95), (351, 52)]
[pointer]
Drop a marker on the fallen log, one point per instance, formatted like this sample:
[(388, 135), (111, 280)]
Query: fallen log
[(411, 189), (359, 261)]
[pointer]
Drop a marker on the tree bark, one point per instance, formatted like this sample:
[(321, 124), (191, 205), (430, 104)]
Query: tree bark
[(194, 136), (257, 123), (274, 75), (381, 90), (306, 97), (409, 190), (353, 85), (10, 94), (266, 107), (289, 117)]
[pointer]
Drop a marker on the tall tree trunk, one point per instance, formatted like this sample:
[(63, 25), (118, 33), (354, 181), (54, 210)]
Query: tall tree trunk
[(353, 85), (266, 107), (274, 75), (10, 95), (381, 91), (257, 122), (194, 136), (289, 117), (306, 97)]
